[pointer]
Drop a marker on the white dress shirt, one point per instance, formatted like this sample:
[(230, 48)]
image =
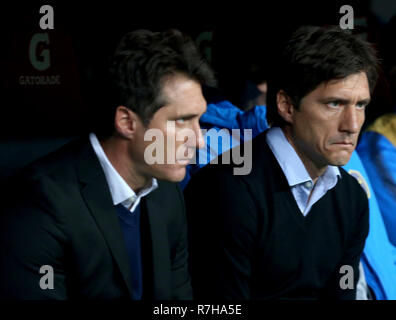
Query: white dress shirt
[(120, 191), (297, 176)]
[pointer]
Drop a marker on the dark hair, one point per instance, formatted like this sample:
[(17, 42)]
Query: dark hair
[(314, 55), (141, 63)]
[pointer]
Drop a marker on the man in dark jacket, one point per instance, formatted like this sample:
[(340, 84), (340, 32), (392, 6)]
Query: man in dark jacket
[(102, 217)]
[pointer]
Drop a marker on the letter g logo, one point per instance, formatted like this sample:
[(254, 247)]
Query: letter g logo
[(40, 61)]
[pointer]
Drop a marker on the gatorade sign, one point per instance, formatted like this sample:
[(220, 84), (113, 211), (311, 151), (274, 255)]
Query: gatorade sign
[(40, 60), (39, 56)]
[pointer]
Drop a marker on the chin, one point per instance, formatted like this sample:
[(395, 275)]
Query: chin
[(173, 175), (340, 161)]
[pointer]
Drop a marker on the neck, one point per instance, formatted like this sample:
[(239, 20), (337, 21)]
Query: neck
[(116, 150), (314, 169)]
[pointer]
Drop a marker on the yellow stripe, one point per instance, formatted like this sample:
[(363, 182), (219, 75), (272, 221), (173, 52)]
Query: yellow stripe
[(386, 126), (363, 183)]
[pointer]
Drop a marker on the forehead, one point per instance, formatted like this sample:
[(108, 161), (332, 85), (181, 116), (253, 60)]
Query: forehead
[(355, 86), (182, 95)]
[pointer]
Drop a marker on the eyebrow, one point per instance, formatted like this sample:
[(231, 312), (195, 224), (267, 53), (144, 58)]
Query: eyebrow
[(346, 101), (189, 115)]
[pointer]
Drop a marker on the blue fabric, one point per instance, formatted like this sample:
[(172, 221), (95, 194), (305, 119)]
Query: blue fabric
[(225, 116), (379, 254), (379, 157), (130, 226)]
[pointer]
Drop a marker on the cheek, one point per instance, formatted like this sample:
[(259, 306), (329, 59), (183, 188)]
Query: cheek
[(316, 135), (309, 130), (181, 150), (361, 118), (137, 151)]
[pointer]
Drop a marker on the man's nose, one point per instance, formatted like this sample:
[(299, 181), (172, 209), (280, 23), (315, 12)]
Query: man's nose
[(198, 141), (200, 138), (352, 120)]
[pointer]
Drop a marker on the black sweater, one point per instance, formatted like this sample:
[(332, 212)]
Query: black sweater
[(249, 240)]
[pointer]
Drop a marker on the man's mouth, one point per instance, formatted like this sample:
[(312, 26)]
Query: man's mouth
[(185, 161), (345, 143)]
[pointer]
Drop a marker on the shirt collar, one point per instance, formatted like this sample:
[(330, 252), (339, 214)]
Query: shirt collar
[(290, 162), (120, 191)]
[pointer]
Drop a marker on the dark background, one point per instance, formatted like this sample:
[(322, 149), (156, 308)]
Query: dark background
[(244, 38)]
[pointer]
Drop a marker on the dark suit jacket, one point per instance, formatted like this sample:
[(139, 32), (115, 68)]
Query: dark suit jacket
[(60, 213)]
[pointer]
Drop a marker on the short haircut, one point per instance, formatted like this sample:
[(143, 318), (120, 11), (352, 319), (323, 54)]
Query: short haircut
[(315, 55), (141, 63)]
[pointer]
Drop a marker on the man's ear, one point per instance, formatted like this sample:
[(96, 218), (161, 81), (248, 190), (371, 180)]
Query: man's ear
[(285, 106), (125, 122)]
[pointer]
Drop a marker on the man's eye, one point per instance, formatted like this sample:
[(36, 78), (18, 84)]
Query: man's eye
[(361, 105), (334, 104), (180, 121)]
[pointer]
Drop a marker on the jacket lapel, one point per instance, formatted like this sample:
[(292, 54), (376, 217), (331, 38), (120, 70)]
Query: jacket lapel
[(160, 245), (97, 196)]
